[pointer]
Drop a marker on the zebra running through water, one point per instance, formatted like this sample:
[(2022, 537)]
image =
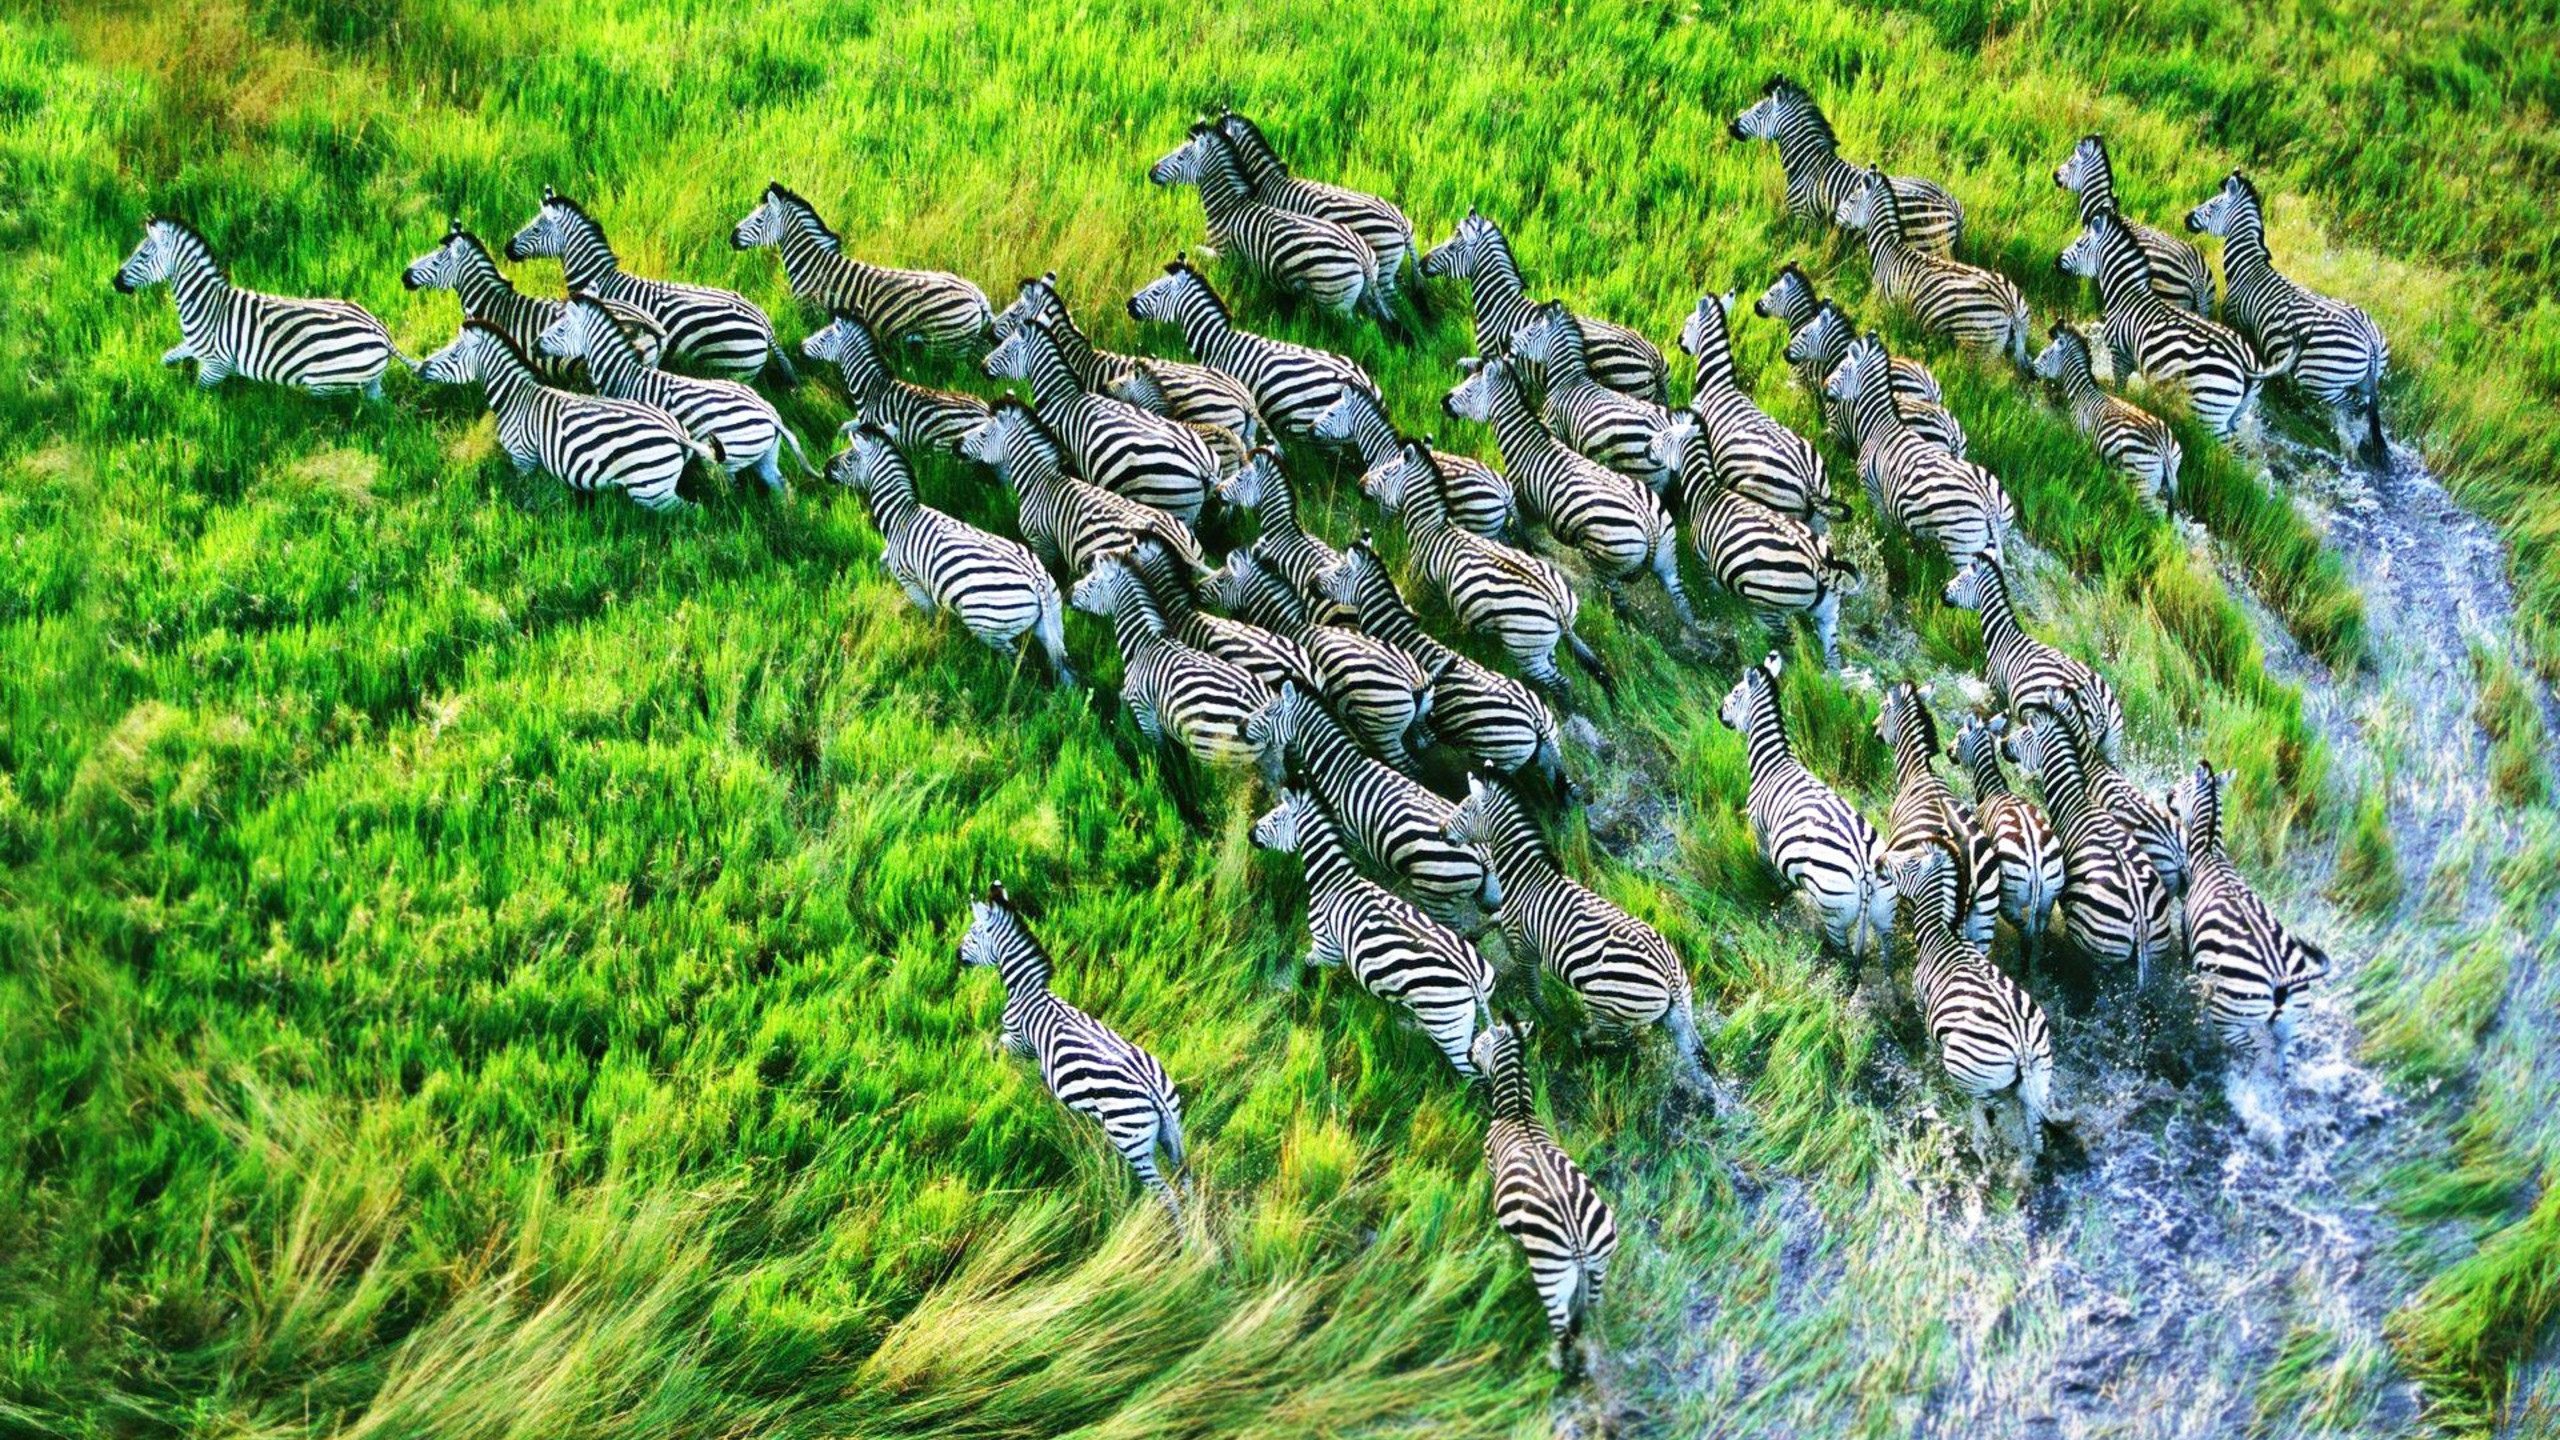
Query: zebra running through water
[(1753, 453), (1381, 694), (1956, 504), (1969, 306), (930, 309), (2252, 969), (919, 416), (2025, 671), (1476, 252), (461, 264), (2147, 336), (1292, 385), (1993, 1039), (1308, 255), (2030, 855), (1160, 463), (2333, 349), (741, 426), (1612, 427), (1176, 389), (1817, 842), (1379, 224), (1183, 699), (1925, 816), (2132, 441), (327, 347), (1480, 498), (1771, 562), (1819, 334), (2154, 831), (1280, 541), (1541, 1199), (2178, 272), (1067, 521), (592, 442), (720, 331), (1819, 181), (1086, 1064), (2113, 908)]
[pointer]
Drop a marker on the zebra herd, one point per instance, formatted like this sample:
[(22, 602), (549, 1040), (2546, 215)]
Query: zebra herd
[(1407, 775)]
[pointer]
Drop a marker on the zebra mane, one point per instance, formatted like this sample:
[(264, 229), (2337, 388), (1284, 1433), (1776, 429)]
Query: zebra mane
[(187, 232), (1782, 88), (554, 197), (2248, 191)]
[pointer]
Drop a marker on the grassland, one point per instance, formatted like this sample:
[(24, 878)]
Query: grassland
[(478, 965)]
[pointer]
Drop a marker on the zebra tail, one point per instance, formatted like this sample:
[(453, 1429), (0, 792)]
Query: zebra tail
[(799, 455), (1169, 1134), (1589, 659)]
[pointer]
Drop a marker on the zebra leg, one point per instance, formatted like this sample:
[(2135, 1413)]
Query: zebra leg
[(178, 354), (776, 357), (373, 388), (1053, 641), (1826, 627), (1589, 660), (211, 372), (1666, 564), (768, 468)]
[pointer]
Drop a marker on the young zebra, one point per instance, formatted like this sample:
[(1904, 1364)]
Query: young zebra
[(1541, 1199), (1753, 453), (1768, 561), (1925, 815), (1291, 384), (1379, 224), (2178, 271), (1266, 655), (327, 347), (993, 584), (1381, 694), (2025, 671), (1175, 389), (1180, 696), (1394, 950), (925, 418), (736, 422), (1610, 519), (1280, 542), (1612, 427), (1480, 498), (461, 264), (1088, 1066), (2333, 350), (2251, 967), (1401, 827), (1155, 461), (2030, 854), (1619, 357), (2113, 908), (1304, 254), (2134, 442), (2147, 336), (1993, 1039), (1068, 522), (927, 308), (1919, 486), (1819, 182), (1817, 343), (592, 442), (1816, 841), (719, 330), (1970, 306)]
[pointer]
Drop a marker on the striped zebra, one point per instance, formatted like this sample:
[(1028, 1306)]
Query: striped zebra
[(592, 442), (1175, 389), (2154, 830), (1280, 541), (1816, 841), (1306, 255), (2030, 854), (1925, 816), (1181, 697), (1819, 340), (461, 264), (1955, 503), (1398, 825), (1968, 305), (2334, 350), (1820, 182), (1480, 498), (1993, 1039), (1614, 428), (328, 347), (2178, 271), (1266, 655), (1476, 252), (1627, 975), (1610, 519), (1541, 1199), (720, 331), (1381, 694), (1086, 1064), (1771, 562), (919, 416), (1753, 453), (931, 309), (2251, 967), (2025, 671), (1379, 224), (1492, 719), (2113, 908), (735, 421), (993, 584), (1067, 521), (1394, 950), (2147, 336), (1291, 384), (1157, 462), (2134, 442)]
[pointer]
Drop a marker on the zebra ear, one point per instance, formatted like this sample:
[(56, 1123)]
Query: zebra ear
[(549, 194), (1771, 664)]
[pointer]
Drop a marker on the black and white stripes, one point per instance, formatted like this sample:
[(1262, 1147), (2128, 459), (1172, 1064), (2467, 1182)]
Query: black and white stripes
[(592, 442), (1541, 1199), (323, 346), (719, 330), (931, 309)]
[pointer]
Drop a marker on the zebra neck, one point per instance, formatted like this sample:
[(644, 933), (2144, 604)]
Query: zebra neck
[(894, 510), (812, 266), (1383, 614), (588, 261), (1875, 417), (1321, 850), (1518, 431), (1514, 1098), (1078, 353), (1053, 381), (2124, 277), (2245, 255), (507, 384), (612, 363), (1371, 433), (1321, 743), (1135, 622), (486, 295), (2066, 788), (1276, 516), (1715, 359), (1770, 752), (1205, 327), (1988, 783), (1911, 763), (2097, 194), (1026, 979), (1812, 158), (865, 377), (2080, 385), (2000, 628), (200, 293), (1500, 297)]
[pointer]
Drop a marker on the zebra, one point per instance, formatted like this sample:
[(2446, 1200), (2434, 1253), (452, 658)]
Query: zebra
[(1816, 841), (1819, 182), (1280, 541), (1394, 950), (1181, 697), (1379, 224), (2025, 671), (1087, 1065), (1753, 453), (1772, 562), (1492, 719), (2333, 349), (2154, 830), (2178, 272), (2251, 967), (925, 418), (741, 425), (993, 584), (2113, 907), (1304, 254), (1176, 389), (1068, 521), (1480, 499), (930, 309), (1381, 694), (2147, 336), (1610, 519), (1819, 335), (1920, 487), (719, 330), (1291, 384), (327, 347), (2134, 442), (1541, 1199), (461, 264), (2030, 855), (592, 442), (1157, 462), (1925, 816), (1970, 306), (1620, 358), (1614, 428), (1992, 1037), (1401, 827), (1265, 654)]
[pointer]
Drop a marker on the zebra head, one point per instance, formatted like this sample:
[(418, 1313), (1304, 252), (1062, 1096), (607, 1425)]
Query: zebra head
[(869, 464), (1790, 297), (2225, 207), (1750, 695), (2064, 359), (2033, 742), (1487, 380), (1038, 300), (1781, 100), (1351, 413), (164, 244), (1679, 449), (1011, 359), (1272, 731), (2087, 166), (1262, 164), (1010, 435), (1904, 716), (1965, 589), (1457, 254), (1257, 477), (998, 937), (547, 234), (776, 212), (1926, 877), (847, 342), (1711, 324), (1189, 161), (2080, 257), (1976, 745), (1106, 585), (1536, 339), (1872, 203), (1492, 822), (1280, 827), (574, 335), (2196, 806), (1827, 334), (465, 359), (1861, 369), (1164, 298), (1501, 1055), (443, 268)]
